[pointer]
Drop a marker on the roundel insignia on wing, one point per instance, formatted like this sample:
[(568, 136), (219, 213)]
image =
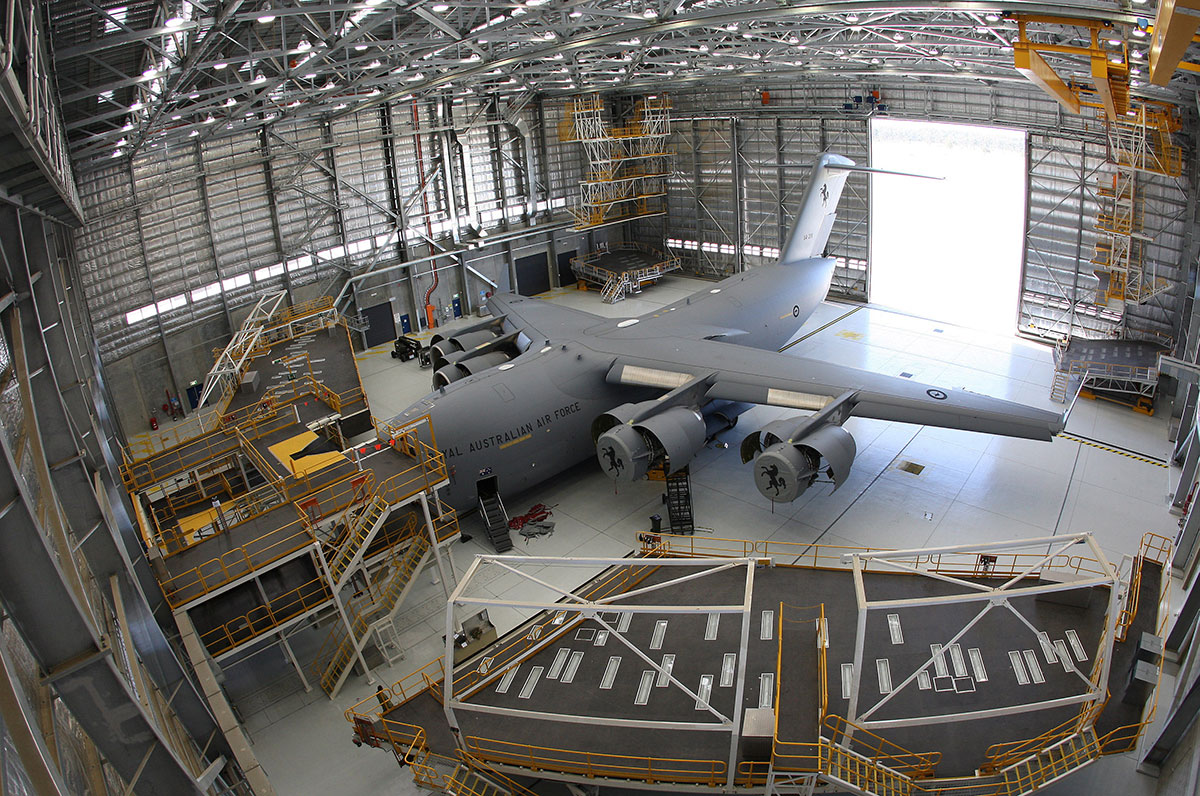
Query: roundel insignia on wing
[(936, 395), (796, 311)]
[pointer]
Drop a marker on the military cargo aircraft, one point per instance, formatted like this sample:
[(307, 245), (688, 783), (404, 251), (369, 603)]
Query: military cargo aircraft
[(537, 388)]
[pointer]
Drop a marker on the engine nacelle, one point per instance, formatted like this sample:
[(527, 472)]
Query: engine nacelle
[(442, 348), (452, 372), (784, 471), (627, 450)]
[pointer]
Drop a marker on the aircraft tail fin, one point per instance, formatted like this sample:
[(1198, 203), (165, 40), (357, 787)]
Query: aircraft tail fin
[(818, 209)]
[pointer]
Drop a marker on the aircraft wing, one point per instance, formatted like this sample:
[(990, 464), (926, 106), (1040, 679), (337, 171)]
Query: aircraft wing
[(540, 320), (738, 373)]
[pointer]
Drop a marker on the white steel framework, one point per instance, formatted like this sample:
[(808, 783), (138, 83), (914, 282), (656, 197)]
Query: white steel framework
[(928, 562), (582, 607)]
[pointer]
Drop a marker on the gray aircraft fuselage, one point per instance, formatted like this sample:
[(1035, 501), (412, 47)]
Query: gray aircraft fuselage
[(529, 419)]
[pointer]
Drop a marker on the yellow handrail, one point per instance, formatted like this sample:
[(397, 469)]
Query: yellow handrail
[(652, 770), (263, 618)]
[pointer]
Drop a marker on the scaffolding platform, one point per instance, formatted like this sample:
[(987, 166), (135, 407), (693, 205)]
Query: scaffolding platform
[(623, 269), (721, 664), (1122, 370)]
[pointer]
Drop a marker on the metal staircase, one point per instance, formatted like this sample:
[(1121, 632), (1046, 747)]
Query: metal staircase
[(615, 288), (360, 529), (861, 774), (679, 502), (1052, 763), (495, 520), (337, 654)]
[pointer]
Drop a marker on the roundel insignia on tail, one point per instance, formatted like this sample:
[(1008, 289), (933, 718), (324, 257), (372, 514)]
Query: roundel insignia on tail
[(936, 395)]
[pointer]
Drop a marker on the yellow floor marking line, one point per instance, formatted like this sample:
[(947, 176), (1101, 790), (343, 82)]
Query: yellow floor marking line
[(1127, 454)]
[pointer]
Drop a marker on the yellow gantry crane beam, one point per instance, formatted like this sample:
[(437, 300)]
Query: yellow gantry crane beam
[(1031, 64), (1175, 26), (1110, 83)]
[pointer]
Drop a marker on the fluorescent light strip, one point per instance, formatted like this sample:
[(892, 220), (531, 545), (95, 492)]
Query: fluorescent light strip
[(766, 630), (556, 667), (884, 670), (728, 664), (1076, 646), (766, 689), (1018, 665), (710, 629), (704, 692), (977, 664), (956, 660), (1035, 668), (894, 629), (939, 660), (568, 675), (923, 680), (1047, 647), (660, 632), (1064, 657), (601, 639), (506, 680), (643, 691), (531, 682), (668, 664), (847, 679), (610, 672), (623, 622)]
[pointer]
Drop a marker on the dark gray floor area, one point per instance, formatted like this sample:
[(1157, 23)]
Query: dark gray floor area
[(330, 356), (798, 593)]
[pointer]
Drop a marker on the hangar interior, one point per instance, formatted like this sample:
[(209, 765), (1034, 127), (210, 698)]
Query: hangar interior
[(226, 567)]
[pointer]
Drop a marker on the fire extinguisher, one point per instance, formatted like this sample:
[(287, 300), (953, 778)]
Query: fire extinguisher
[(153, 423)]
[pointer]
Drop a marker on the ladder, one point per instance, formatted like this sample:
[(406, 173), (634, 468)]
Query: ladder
[(495, 520), (679, 502), (615, 287)]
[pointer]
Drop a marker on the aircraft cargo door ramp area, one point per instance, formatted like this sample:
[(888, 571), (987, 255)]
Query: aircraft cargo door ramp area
[(712, 665)]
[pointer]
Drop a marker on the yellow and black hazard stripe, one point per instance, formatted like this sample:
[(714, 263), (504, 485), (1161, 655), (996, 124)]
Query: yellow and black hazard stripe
[(1137, 457)]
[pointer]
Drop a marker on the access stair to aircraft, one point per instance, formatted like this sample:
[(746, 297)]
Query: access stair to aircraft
[(337, 654), (495, 520), (679, 502), (1052, 763)]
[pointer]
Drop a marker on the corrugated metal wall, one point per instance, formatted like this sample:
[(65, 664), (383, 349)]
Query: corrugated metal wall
[(222, 220)]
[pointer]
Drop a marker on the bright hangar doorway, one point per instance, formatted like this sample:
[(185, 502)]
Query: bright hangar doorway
[(948, 249)]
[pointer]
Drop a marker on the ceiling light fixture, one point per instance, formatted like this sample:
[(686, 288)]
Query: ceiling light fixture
[(649, 13), (992, 17), (898, 37), (1116, 59), (575, 14), (174, 22), (267, 16), (1139, 32), (193, 133), (440, 8), (852, 18), (219, 65), (137, 106), (209, 119), (258, 78), (303, 46)]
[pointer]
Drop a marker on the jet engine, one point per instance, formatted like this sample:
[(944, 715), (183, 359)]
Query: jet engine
[(443, 349), (453, 371), (789, 465), (629, 442)]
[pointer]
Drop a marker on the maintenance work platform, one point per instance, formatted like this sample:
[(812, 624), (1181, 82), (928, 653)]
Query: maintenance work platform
[(711, 665), (291, 506)]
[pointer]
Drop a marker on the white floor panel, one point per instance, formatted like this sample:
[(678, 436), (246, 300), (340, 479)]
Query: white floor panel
[(974, 488)]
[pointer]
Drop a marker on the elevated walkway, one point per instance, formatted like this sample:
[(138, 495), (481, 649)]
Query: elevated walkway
[(568, 660)]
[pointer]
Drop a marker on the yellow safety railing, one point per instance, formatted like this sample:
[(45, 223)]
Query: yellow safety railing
[(264, 618), (1154, 548), (161, 466), (652, 770), (799, 554), (398, 693), (539, 634), (880, 750), (237, 563)]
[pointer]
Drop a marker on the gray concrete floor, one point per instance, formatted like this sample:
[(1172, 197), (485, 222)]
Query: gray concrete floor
[(973, 487)]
